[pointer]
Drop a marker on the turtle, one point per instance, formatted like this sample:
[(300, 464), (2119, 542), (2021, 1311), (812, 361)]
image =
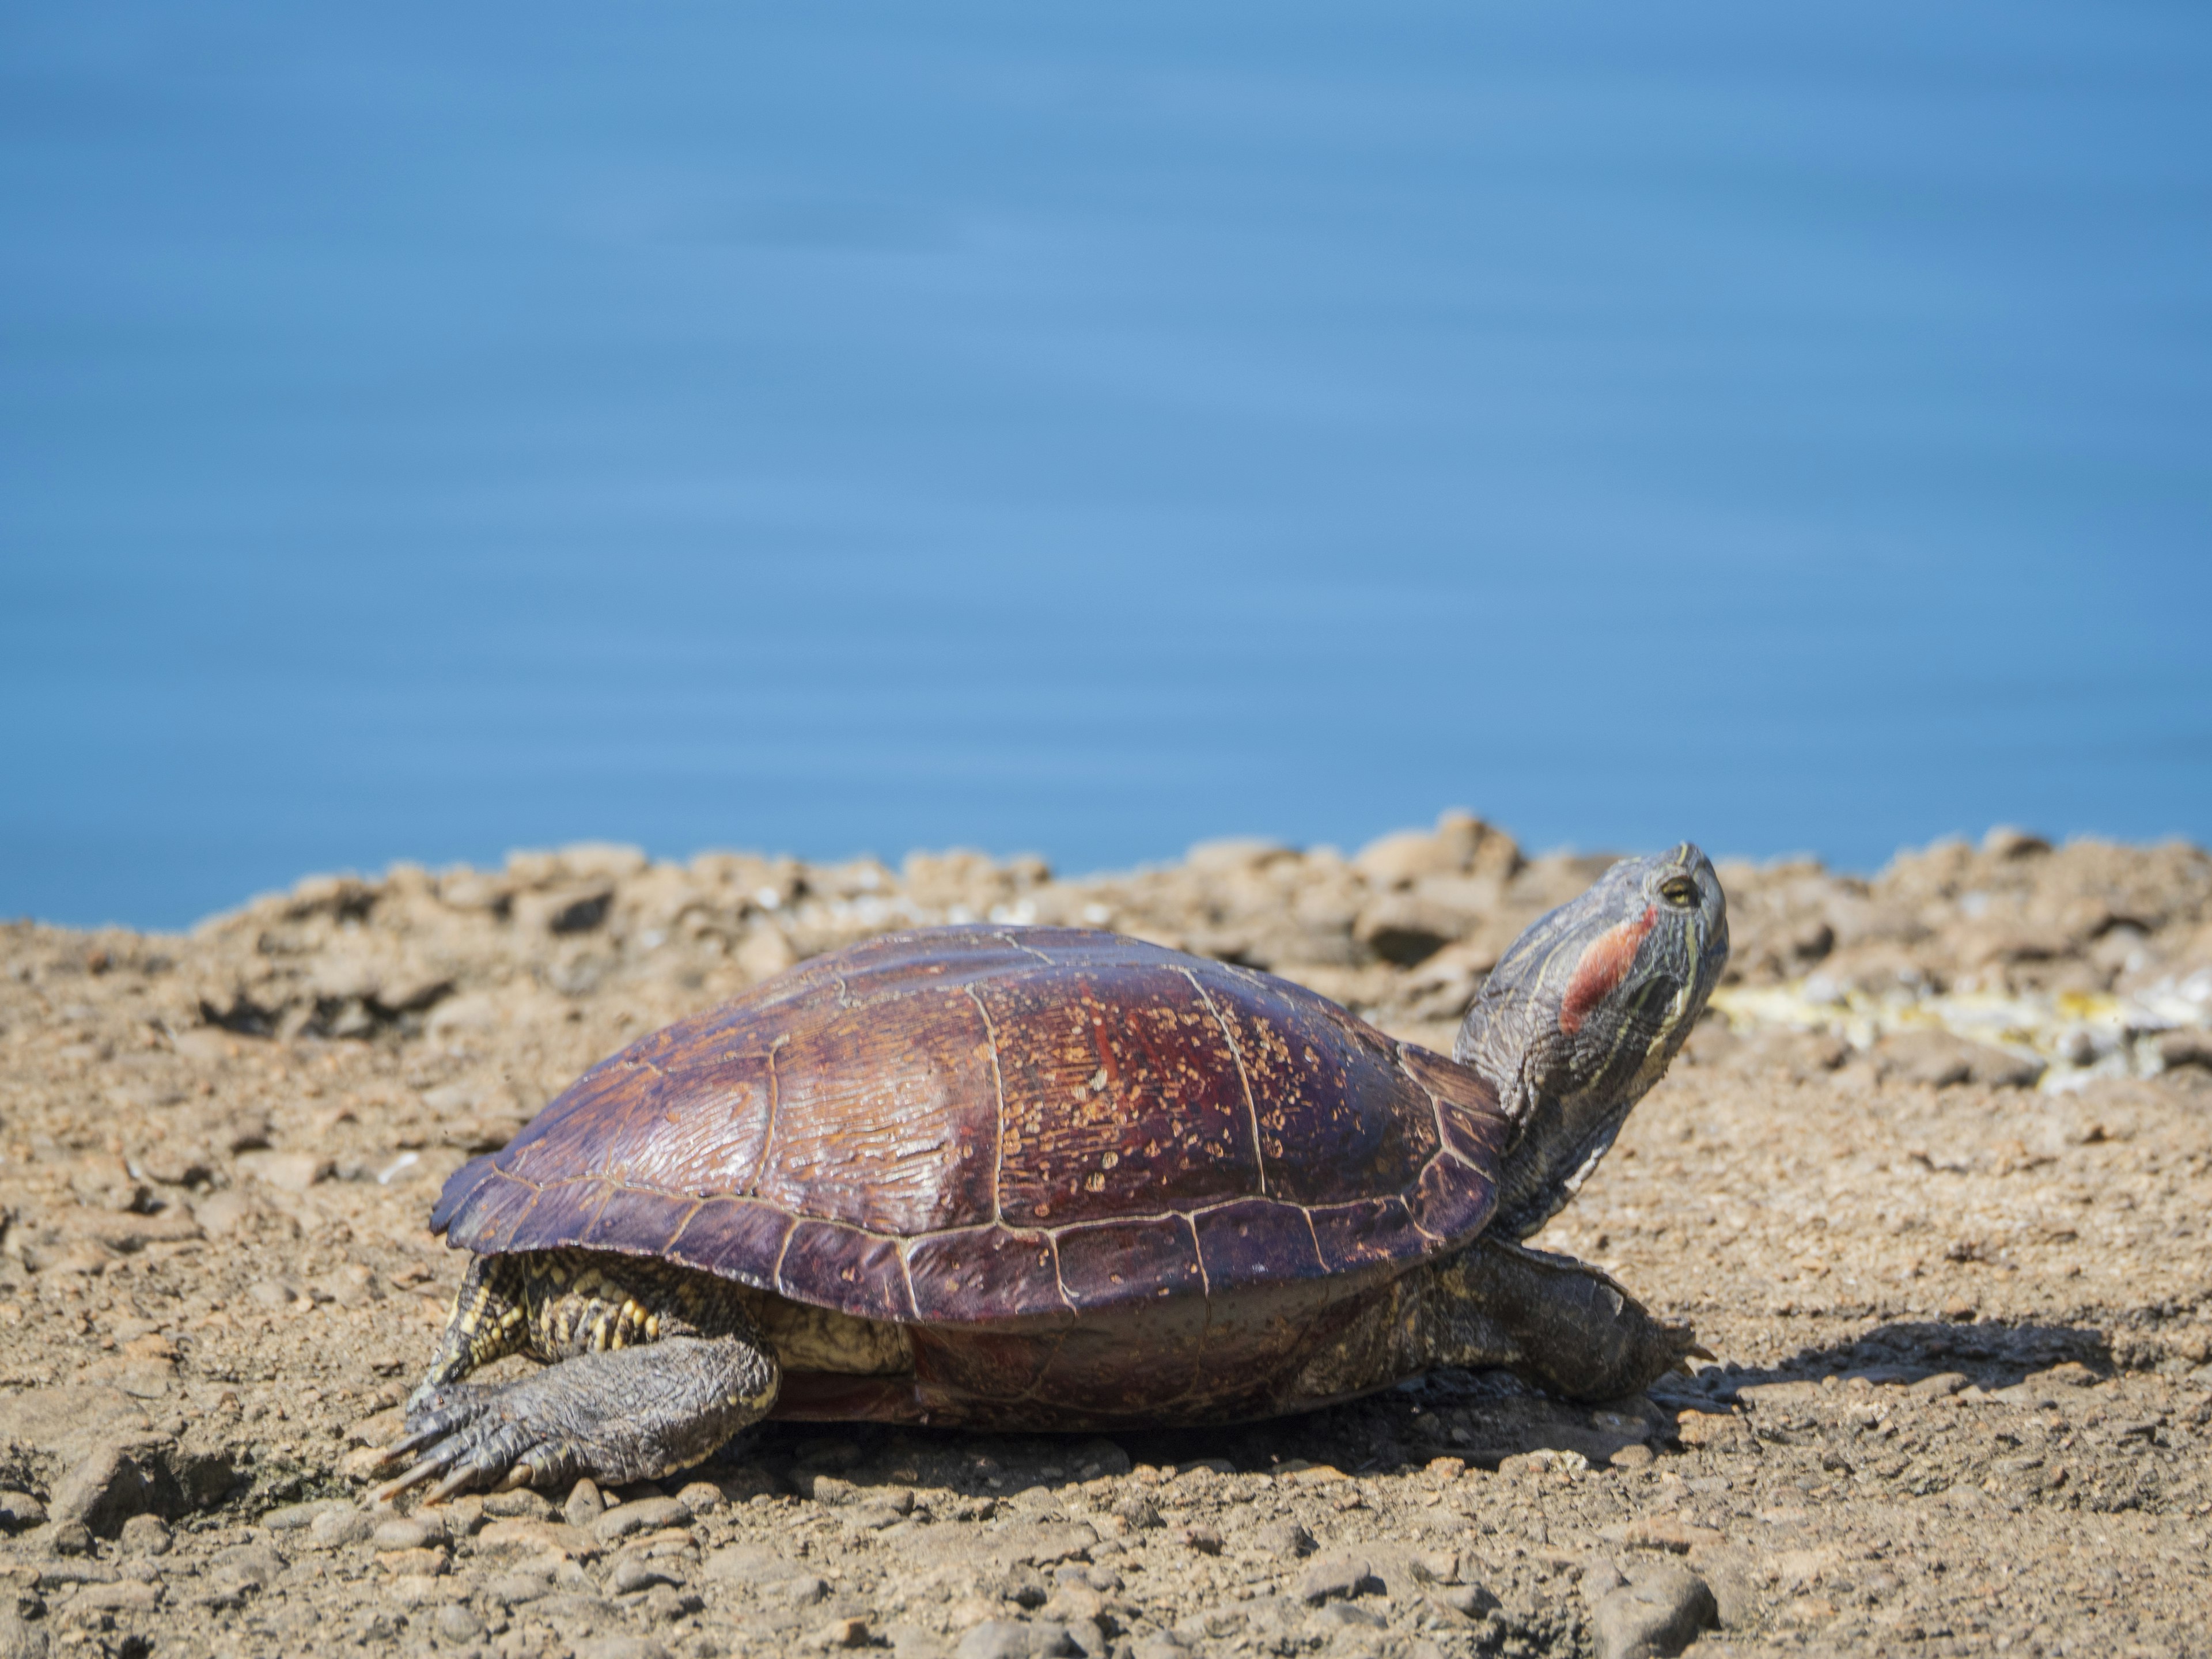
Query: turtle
[(1043, 1178)]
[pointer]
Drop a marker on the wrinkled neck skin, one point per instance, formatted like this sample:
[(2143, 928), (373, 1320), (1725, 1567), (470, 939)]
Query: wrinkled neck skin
[(1583, 1015)]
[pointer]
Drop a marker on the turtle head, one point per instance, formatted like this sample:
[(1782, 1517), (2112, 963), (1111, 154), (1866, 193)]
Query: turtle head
[(1583, 1013)]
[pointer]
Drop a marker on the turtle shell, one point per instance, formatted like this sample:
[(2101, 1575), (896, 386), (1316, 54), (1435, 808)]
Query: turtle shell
[(1014, 1131)]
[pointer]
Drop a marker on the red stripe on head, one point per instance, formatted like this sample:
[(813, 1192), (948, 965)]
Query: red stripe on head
[(1603, 966)]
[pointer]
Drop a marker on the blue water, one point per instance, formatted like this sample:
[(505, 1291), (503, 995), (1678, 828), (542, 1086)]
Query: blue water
[(426, 431)]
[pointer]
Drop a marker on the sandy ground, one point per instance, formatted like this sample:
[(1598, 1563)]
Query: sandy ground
[(1932, 1183)]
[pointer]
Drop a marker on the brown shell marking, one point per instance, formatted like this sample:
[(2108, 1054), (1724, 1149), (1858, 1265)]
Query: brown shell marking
[(1012, 1127)]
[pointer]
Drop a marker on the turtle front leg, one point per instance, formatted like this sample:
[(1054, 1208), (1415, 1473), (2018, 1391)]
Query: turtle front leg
[(1558, 1322), (648, 1370)]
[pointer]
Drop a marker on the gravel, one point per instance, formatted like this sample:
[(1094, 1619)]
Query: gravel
[(1956, 1272)]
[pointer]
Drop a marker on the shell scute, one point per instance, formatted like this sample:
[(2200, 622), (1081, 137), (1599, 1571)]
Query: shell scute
[(1110, 1262), (838, 1266), (1113, 1084), (984, 1273)]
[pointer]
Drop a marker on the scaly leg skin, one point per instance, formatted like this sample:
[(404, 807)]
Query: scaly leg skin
[(648, 1369), (1553, 1321)]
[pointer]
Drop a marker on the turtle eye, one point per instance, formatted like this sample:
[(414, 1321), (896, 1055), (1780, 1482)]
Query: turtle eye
[(1679, 890)]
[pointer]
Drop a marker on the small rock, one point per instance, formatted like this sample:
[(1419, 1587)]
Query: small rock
[(129, 1595), (1336, 1575), (1137, 1512), (748, 1564), (665, 1603), (840, 1633), (297, 1517), (339, 1528), (1011, 1639), (637, 1573), (104, 1490), (254, 1565), (1600, 1579), (1634, 1456), (1658, 1614), (515, 1588), (704, 1497), (145, 1535), (456, 1625), (19, 1510), (276, 1294), (425, 1563), (556, 1538), (1938, 1386), (584, 1505), (520, 1504), (407, 1532), (1286, 1540), (620, 1647), (645, 1515), (67, 1537), (1203, 1539)]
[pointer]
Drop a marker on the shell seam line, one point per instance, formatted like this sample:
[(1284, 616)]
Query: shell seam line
[(768, 1136), (1027, 950), (905, 1242), (1052, 1243), (999, 1091), (1243, 1076), (783, 1249), (1204, 1279), (905, 1278), (1436, 1104), (689, 1216)]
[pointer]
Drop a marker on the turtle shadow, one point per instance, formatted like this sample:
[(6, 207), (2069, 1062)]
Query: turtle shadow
[(1991, 1354), (1479, 1418)]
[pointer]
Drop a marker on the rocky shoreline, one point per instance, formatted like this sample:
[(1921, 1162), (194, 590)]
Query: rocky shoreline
[(1932, 1182)]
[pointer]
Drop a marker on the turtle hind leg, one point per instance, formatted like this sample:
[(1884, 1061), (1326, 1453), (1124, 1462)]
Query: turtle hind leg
[(1549, 1319), (618, 1415), (647, 1368)]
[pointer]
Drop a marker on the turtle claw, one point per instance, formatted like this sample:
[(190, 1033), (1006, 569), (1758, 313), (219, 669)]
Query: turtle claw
[(470, 1436)]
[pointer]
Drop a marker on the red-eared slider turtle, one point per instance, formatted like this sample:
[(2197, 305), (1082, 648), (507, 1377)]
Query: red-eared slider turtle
[(1042, 1178)]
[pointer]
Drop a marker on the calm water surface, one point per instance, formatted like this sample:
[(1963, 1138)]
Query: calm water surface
[(428, 430)]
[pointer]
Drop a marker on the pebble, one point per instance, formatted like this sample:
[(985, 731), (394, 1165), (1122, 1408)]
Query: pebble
[(704, 1497), (145, 1535), (512, 1589), (635, 1573), (1659, 1613), (408, 1531), (19, 1510), (1335, 1575), (645, 1515), (295, 1517), (520, 1504), (456, 1625), (620, 1647), (337, 1529), (840, 1633), (1011, 1638), (584, 1505)]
